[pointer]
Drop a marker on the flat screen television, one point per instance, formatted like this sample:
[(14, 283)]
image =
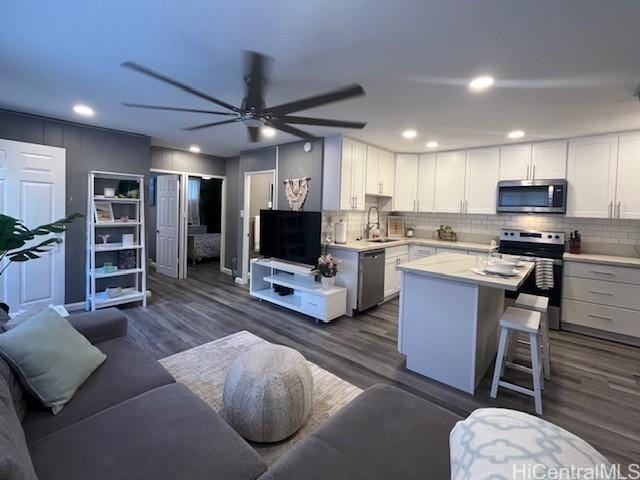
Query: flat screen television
[(292, 236)]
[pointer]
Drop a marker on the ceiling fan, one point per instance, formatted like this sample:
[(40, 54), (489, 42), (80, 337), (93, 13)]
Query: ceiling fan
[(253, 111)]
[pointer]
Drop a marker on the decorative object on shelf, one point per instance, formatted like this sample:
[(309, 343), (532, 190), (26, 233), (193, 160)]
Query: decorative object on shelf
[(108, 267), (128, 189), (328, 269), (113, 292), (14, 235), (103, 212), (575, 242), (127, 259), (124, 219), (446, 233), (109, 192), (105, 238), (127, 240), (341, 232), (410, 232), (395, 226), (296, 190)]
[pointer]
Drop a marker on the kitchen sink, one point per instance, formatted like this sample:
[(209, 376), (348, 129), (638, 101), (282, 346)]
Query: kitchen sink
[(383, 240)]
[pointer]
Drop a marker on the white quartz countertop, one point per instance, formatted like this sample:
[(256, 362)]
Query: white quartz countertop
[(633, 262), (457, 267), (364, 245)]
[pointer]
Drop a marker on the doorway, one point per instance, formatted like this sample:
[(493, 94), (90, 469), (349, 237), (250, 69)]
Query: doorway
[(259, 194)]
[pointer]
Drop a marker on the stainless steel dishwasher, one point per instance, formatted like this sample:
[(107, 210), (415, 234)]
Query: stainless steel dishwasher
[(370, 279)]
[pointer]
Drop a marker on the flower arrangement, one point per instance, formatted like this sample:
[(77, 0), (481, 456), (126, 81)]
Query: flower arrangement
[(327, 265)]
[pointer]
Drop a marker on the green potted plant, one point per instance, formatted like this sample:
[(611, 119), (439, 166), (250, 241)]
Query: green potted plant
[(328, 269), (446, 233), (14, 236)]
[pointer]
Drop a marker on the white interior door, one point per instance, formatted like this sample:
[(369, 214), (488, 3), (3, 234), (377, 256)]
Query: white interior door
[(167, 225), (32, 189)]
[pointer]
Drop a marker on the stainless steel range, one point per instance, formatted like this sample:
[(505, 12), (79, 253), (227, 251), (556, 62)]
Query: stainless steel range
[(534, 244)]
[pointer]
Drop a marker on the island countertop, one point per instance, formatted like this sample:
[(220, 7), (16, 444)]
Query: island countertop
[(457, 267)]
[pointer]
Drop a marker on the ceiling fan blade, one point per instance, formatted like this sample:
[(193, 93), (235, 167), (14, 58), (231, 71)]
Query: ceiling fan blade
[(336, 95), (254, 134), (175, 109), (289, 129), (324, 122), (145, 71), (207, 125), (257, 66)]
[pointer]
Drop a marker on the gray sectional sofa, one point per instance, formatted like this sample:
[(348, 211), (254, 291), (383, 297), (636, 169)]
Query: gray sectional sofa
[(130, 420)]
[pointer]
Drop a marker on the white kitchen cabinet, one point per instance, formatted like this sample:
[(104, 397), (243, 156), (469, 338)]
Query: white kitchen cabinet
[(515, 162), (481, 179), (627, 203), (452, 250), (416, 252), (344, 174), (450, 182), (549, 160), (405, 195), (426, 182), (591, 173), (394, 256), (380, 175)]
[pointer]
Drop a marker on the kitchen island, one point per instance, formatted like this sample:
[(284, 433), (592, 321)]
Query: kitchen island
[(449, 317)]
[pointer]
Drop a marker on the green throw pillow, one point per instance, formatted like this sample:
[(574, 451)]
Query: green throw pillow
[(50, 357)]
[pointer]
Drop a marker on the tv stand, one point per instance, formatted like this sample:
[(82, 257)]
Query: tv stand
[(308, 297)]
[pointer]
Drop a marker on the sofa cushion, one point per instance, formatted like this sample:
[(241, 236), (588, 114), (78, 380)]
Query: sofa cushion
[(50, 357), (15, 461), (383, 433), (101, 325), (127, 372), (18, 395), (166, 433)]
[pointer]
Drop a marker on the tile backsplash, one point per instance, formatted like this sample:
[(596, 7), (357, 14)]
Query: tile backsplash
[(607, 236)]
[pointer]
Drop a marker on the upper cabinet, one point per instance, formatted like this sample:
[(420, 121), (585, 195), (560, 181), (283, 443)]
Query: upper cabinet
[(344, 174), (481, 179), (426, 182), (540, 161), (591, 173), (379, 172), (450, 182), (406, 187), (627, 185)]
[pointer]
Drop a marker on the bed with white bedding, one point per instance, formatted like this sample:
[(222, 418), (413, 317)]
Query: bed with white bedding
[(202, 245)]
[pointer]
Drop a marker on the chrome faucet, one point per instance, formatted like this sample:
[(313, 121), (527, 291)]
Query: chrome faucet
[(369, 226)]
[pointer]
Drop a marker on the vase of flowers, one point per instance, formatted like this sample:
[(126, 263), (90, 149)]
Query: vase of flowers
[(328, 269)]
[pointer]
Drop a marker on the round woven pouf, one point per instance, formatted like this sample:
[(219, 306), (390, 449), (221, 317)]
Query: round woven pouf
[(267, 393)]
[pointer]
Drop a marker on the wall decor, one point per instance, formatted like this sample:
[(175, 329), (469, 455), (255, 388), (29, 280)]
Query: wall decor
[(296, 190)]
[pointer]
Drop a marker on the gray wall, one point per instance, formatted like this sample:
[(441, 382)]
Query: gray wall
[(87, 148), (180, 161), (232, 171), (294, 162)]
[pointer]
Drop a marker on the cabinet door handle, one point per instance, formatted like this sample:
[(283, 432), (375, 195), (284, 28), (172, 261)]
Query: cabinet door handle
[(619, 208), (466, 206), (417, 205), (528, 172), (533, 175), (600, 272), (460, 206), (610, 209), (600, 317), (598, 292)]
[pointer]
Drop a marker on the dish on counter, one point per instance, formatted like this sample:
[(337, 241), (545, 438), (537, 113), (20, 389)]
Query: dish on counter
[(504, 270)]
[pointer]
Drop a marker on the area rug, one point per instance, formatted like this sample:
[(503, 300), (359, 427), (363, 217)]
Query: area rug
[(203, 370)]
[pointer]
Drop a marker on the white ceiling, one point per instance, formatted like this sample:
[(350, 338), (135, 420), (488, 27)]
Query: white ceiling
[(562, 67)]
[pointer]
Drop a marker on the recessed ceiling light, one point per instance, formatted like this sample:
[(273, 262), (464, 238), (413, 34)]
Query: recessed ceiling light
[(84, 110), (409, 134), (481, 83), (194, 149), (516, 134), (268, 132), (432, 144)]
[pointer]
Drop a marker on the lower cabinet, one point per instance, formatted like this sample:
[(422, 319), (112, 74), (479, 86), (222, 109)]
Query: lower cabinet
[(394, 256), (416, 252)]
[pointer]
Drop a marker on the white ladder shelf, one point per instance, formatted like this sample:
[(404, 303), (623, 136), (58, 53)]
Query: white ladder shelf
[(132, 279)]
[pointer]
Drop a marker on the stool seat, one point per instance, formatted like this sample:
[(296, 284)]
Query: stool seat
[(521, 320), (533, 302)]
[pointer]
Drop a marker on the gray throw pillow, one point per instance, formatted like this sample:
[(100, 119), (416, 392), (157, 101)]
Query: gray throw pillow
[(50, 357)]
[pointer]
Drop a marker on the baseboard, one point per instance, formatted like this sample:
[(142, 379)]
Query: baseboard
[(226, 270), (74, 307)]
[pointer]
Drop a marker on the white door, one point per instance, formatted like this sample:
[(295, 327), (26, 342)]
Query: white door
[(32, 189), (372, 183), (406, 182), (628, 190), (426, 181), (385, 173), (483, 167), (167, 232), (591, 173), (449, 188), (358, 173), (346, 167), (515, 162), (549, 160)]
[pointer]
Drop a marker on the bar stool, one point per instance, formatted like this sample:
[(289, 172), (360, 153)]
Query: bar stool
[(521, 321), (540, 304)]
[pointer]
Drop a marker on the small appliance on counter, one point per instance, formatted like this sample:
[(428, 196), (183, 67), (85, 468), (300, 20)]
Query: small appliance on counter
[(410, 232), (575, 242), (341, 232)]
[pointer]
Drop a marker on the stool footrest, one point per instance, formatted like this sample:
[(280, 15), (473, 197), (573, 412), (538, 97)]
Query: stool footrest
[(517, 388)]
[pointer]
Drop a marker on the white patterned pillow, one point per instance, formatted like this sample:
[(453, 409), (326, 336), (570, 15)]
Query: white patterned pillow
[(502, 444)]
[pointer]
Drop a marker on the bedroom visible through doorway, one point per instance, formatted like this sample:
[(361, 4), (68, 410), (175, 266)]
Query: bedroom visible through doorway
[(204, 221)]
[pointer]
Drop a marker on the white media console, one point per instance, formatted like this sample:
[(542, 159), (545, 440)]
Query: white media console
[(308, 296)]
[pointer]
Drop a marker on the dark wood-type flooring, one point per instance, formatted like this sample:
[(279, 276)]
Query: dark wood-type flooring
[(594, 391)]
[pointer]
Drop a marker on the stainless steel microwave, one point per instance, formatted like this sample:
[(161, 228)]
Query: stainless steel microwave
[(532, 196)]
